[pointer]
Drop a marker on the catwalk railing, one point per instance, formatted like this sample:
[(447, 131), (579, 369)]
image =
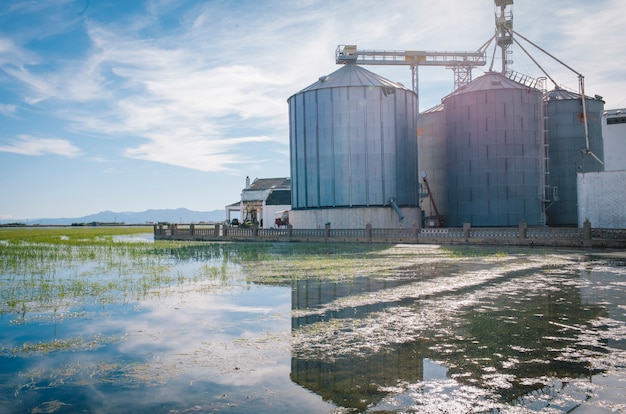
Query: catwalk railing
[(521, 235)]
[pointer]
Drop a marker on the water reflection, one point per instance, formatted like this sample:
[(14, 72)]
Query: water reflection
[(192, 351), (606, 287), (533, 337), (197, 340), (228, 327)]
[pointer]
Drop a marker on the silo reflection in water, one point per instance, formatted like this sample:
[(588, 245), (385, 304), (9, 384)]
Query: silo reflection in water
[(353, 380)]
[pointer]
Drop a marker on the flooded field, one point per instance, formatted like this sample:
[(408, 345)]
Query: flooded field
[(104, 321)]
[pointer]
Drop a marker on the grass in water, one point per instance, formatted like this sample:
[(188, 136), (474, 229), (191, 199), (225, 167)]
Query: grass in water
[(56, 270), (53, 270)]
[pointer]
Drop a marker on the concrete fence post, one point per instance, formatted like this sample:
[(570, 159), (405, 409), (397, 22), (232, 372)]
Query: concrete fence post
[(326, 231), (523, 230), (368, 232), (192, 230), (587, 233), (416, 232), (466, 230), (289, 232)]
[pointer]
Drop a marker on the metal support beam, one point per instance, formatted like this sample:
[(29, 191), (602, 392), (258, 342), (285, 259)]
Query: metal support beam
[(461, 63)]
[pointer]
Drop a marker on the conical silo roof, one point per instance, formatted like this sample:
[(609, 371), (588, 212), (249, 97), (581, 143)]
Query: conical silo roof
[(436, 108), (352, 75), (559, 94), (488, 82)]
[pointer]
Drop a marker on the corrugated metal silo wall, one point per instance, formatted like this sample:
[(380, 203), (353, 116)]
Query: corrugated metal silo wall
[(567, 142), (353, 146), (494, 142), (432, 149)]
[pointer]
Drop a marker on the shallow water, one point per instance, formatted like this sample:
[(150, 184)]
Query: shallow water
[(391, 329)]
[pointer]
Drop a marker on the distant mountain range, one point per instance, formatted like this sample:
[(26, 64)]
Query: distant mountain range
[(179, 215)]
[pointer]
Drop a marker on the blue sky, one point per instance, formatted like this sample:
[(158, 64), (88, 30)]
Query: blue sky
[(133, 105)]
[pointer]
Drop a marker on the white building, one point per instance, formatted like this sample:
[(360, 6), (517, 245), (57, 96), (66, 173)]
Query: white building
[(262, 201), (602, 195), (614, 135)]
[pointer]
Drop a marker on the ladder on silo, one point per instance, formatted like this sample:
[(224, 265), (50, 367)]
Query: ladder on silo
[(549, 193)]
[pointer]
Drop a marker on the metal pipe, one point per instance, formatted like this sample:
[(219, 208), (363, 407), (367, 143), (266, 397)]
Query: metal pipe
[(581, 80), (536, 63), (395, 207), (547, 53), (581, 83)]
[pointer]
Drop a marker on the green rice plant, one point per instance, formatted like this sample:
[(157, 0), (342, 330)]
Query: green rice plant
[(67, 235), (63, 344)]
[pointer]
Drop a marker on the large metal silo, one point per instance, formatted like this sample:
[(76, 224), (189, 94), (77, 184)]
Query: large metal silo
[(567, 148), (432, 149), (353, 142), (495, 161)]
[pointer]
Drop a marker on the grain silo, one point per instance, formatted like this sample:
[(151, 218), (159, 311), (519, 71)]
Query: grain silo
[(495, 144), (432, 148), (353, 152), (567, 144)]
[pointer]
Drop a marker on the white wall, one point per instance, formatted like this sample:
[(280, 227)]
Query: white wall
[(269, 214), (254, 195), (354, 218), (614, 137), (602, 199)]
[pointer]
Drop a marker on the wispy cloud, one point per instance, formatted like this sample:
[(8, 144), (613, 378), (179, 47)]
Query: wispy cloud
[(27, 145), (217, 155), (8, 110)]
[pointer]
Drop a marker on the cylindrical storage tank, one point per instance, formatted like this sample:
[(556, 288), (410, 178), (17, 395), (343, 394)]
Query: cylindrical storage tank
[(432, 160), (567, 148), (495, 143), (353, 143)]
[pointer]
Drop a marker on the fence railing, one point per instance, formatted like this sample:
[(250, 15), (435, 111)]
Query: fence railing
[(555, 233), (521, 235), (608, 234)]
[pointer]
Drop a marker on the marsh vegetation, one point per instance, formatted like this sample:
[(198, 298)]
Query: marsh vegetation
[(106, 320)]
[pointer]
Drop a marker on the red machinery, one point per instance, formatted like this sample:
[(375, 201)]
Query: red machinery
[(439, 221)]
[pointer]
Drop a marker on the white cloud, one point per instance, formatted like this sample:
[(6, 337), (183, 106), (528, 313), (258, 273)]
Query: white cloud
[(27, 145), (217, 155), (8, 110)]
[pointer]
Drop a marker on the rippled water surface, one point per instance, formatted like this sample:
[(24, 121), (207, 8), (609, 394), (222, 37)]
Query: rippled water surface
[(281, 328)]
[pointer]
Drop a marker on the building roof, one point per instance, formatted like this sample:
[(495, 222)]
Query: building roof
[(279, 198), (352, 75), (269, 183), (615, 112)]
